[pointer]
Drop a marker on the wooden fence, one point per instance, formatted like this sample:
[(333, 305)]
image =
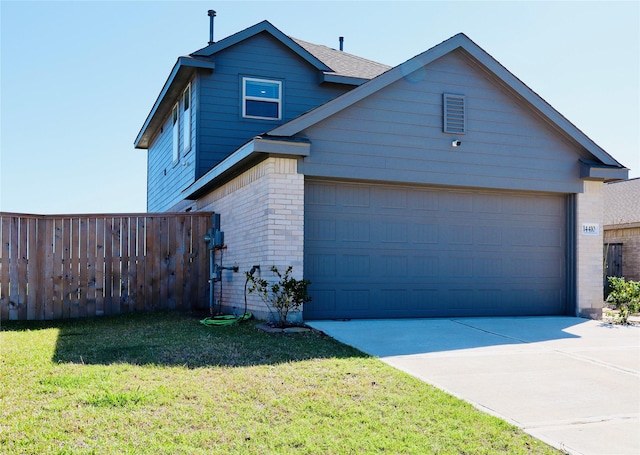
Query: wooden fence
[(71, 266)]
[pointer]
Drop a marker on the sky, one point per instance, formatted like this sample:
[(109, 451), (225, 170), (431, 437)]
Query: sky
[(78, 78)]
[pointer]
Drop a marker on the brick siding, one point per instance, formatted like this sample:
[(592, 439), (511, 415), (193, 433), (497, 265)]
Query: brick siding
[(589, 268), (630, 239), (262, 216)]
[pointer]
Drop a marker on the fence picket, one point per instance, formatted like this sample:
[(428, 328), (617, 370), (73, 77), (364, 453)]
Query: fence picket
[(46, 264), (99, 265), (133, 287), (56, 267), (5, 234), (33, 276), (151, 264), (141, 279), (83, 261), (114, 265), (123, 294), (107, 267), (91, 267), (202, 254), (14, 285), (66, 268), (179, 258), (22, 270), (163, 264), (171, 263), (74, 273)]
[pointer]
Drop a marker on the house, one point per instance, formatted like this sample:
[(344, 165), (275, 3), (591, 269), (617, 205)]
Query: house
[(441, 187), (622, 229), (218, 97)]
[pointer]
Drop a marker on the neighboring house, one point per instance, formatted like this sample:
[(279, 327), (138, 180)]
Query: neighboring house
[(622, 229), (440, 187)]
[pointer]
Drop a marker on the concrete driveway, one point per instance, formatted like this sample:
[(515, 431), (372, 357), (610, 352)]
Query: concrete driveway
[(573, 383)]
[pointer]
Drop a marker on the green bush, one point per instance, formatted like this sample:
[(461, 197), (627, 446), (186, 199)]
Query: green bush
[(625, 296), (284, 296)]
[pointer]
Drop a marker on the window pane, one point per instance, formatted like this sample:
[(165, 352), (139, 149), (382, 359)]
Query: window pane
[(262, 109), (260, 89), (187, 98)]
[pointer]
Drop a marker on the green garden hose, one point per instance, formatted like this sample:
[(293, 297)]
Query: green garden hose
[(225, 319), (230, 319)]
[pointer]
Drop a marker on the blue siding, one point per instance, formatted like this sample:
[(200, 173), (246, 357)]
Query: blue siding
[(396, 135), (166, 179), (218, 128), (221, 128)]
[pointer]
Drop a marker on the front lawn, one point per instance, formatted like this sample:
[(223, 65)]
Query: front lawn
[(161, 383)]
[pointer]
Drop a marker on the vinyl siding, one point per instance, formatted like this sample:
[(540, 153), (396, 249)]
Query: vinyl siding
[(221, 128), (397, 135), (166, 179)]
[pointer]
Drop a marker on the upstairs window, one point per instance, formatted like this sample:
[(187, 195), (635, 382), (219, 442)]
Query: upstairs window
[(186, 119), (261, 99), (454, 118), (176, 133)]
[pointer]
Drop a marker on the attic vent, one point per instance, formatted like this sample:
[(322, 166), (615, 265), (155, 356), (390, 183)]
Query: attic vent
[(454, 113)]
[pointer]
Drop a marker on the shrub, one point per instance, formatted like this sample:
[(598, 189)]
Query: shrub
[(283, 296), (625, 296)]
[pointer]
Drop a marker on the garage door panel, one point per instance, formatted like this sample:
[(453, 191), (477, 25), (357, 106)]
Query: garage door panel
[(320, 229), (384, 251), (454, 302)]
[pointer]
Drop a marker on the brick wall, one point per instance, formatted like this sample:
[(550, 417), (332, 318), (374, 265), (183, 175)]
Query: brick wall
[(262, 216), (630, 239), (589, 268)]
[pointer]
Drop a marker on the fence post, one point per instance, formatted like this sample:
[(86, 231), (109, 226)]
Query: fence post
[(68, 266)]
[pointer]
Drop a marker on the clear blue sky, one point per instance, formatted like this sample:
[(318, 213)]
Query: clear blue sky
[(79, 78)]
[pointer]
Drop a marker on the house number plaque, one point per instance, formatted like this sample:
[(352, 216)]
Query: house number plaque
[(590, 229)]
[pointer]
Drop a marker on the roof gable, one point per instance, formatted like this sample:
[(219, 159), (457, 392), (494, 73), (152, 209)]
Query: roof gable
[(261, 27), (486, 62), (335, 66), (180, 74)]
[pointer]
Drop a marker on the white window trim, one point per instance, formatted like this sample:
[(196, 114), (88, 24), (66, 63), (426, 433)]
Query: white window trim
[(256, 98), (186, 122), (175, 119)]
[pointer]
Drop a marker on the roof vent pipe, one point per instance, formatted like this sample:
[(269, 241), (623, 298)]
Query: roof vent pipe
[(341, 39), (211, 13)]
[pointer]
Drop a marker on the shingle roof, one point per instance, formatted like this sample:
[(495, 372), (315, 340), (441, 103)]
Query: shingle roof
[(622, 202), (330, 61), (342, 63)]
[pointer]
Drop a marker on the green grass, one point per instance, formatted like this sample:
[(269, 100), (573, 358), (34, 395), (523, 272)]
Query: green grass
[(162, 383)]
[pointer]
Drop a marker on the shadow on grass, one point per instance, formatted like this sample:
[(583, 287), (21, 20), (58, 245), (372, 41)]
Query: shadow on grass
[(178, 339)]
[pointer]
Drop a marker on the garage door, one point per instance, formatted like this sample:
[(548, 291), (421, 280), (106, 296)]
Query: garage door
[(376, 251)]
